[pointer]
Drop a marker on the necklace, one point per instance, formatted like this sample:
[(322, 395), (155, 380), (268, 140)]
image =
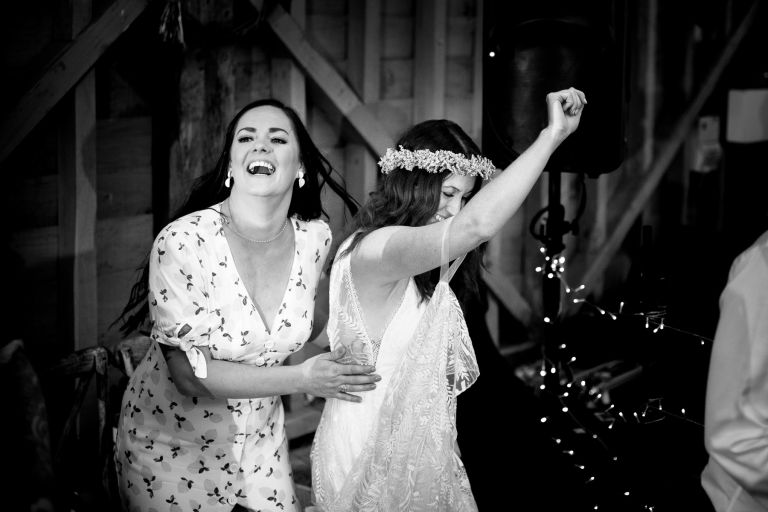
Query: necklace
[(230, 223)]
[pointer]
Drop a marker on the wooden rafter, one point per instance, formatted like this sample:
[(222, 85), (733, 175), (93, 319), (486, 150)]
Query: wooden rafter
[(66, 71), (641, 192)]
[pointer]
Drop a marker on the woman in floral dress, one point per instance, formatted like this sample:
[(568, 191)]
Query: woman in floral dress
[(231, 287)]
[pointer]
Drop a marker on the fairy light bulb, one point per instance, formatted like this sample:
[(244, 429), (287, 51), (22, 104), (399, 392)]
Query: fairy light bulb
[(543, 419), (547, 320)]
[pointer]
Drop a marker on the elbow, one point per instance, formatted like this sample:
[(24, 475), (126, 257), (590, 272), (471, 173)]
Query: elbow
[(189, 386), (478, 230)]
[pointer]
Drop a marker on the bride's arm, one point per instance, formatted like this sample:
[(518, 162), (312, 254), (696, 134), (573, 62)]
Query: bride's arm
[(396, 252)]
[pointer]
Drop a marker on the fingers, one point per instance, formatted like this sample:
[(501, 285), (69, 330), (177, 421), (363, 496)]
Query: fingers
[(572, 100), (355, 369), (338, 353), (345, 391)]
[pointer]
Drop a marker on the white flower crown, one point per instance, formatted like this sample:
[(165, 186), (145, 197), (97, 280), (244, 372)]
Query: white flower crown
[(436, 162)]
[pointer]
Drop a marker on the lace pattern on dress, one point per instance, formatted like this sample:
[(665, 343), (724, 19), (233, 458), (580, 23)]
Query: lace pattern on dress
[(409, 462)]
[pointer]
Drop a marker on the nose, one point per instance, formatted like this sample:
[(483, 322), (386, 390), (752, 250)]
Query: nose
[(261, 145)]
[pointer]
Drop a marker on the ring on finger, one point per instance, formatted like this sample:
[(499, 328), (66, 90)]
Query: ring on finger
[(342, 388)]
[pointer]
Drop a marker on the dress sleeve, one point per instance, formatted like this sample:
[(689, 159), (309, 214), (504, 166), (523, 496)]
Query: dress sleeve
[(323, 239), (736, 417), (179, 299)]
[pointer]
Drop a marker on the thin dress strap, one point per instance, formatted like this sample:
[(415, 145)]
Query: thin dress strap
[(446, 271)]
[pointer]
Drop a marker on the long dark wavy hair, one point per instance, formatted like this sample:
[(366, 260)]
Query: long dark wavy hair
[(411, 198), (209, 189)]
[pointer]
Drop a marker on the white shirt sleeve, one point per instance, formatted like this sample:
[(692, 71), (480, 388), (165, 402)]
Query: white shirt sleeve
[(736, 417)]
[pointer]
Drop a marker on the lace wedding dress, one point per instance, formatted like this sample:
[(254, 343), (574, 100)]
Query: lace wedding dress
[(394, 451)]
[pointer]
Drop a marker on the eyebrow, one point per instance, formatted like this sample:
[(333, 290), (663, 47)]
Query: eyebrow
[(253, 130)]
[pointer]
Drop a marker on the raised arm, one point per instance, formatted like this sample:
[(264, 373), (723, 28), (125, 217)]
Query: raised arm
[(396, 252)]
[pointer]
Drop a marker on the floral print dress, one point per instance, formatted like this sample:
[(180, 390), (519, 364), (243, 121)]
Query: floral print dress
[(180, 453)]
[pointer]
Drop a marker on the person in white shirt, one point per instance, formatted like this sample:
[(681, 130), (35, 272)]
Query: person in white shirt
[(736, 415)]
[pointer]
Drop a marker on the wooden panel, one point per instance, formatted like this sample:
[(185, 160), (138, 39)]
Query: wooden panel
[(328, 79), (397, 37), (429, 60), (66, 72), (395, 115), (396, 78), (327, 7), (463, 7), (459, 110), (461, 36), (122, 100), (124, 166), (38, 249), (458, 77), (399, 7), (123, 243), (34, 202), (328, 35)]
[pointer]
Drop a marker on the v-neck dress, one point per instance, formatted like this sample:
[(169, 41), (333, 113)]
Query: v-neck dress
[(180, 453)]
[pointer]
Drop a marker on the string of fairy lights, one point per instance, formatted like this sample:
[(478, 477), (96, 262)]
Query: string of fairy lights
[(572, 390)]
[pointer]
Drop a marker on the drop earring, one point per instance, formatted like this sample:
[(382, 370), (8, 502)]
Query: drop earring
[(301, 180), (228, 181)]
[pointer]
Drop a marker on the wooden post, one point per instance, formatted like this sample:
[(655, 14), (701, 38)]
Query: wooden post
[(288, 83), (429, 60), (77, 204), (364, 75)]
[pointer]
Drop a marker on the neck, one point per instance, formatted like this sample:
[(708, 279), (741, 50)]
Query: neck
[(257, 217)]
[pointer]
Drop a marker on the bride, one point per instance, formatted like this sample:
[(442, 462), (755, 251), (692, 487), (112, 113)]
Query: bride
[(391, 306)]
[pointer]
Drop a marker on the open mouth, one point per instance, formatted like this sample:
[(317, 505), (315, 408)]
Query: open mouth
[(261, 167)]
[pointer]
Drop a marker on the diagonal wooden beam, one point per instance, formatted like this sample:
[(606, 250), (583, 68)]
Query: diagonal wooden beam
[(66, 71), (642, 191), (322, 72), (505, 292)]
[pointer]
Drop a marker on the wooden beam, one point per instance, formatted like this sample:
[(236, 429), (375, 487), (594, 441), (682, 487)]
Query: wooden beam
[(506, 293), (643, 190), (66, 71), (322, 72), (477, 77), (429, 60), (288, 83), (364, 74), (78, 282)]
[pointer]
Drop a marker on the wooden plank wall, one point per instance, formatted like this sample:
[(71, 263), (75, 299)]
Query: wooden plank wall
[(392, 53)]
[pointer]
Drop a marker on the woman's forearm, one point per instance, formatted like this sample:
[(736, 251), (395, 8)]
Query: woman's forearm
[(497, 202), (227, 379)]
